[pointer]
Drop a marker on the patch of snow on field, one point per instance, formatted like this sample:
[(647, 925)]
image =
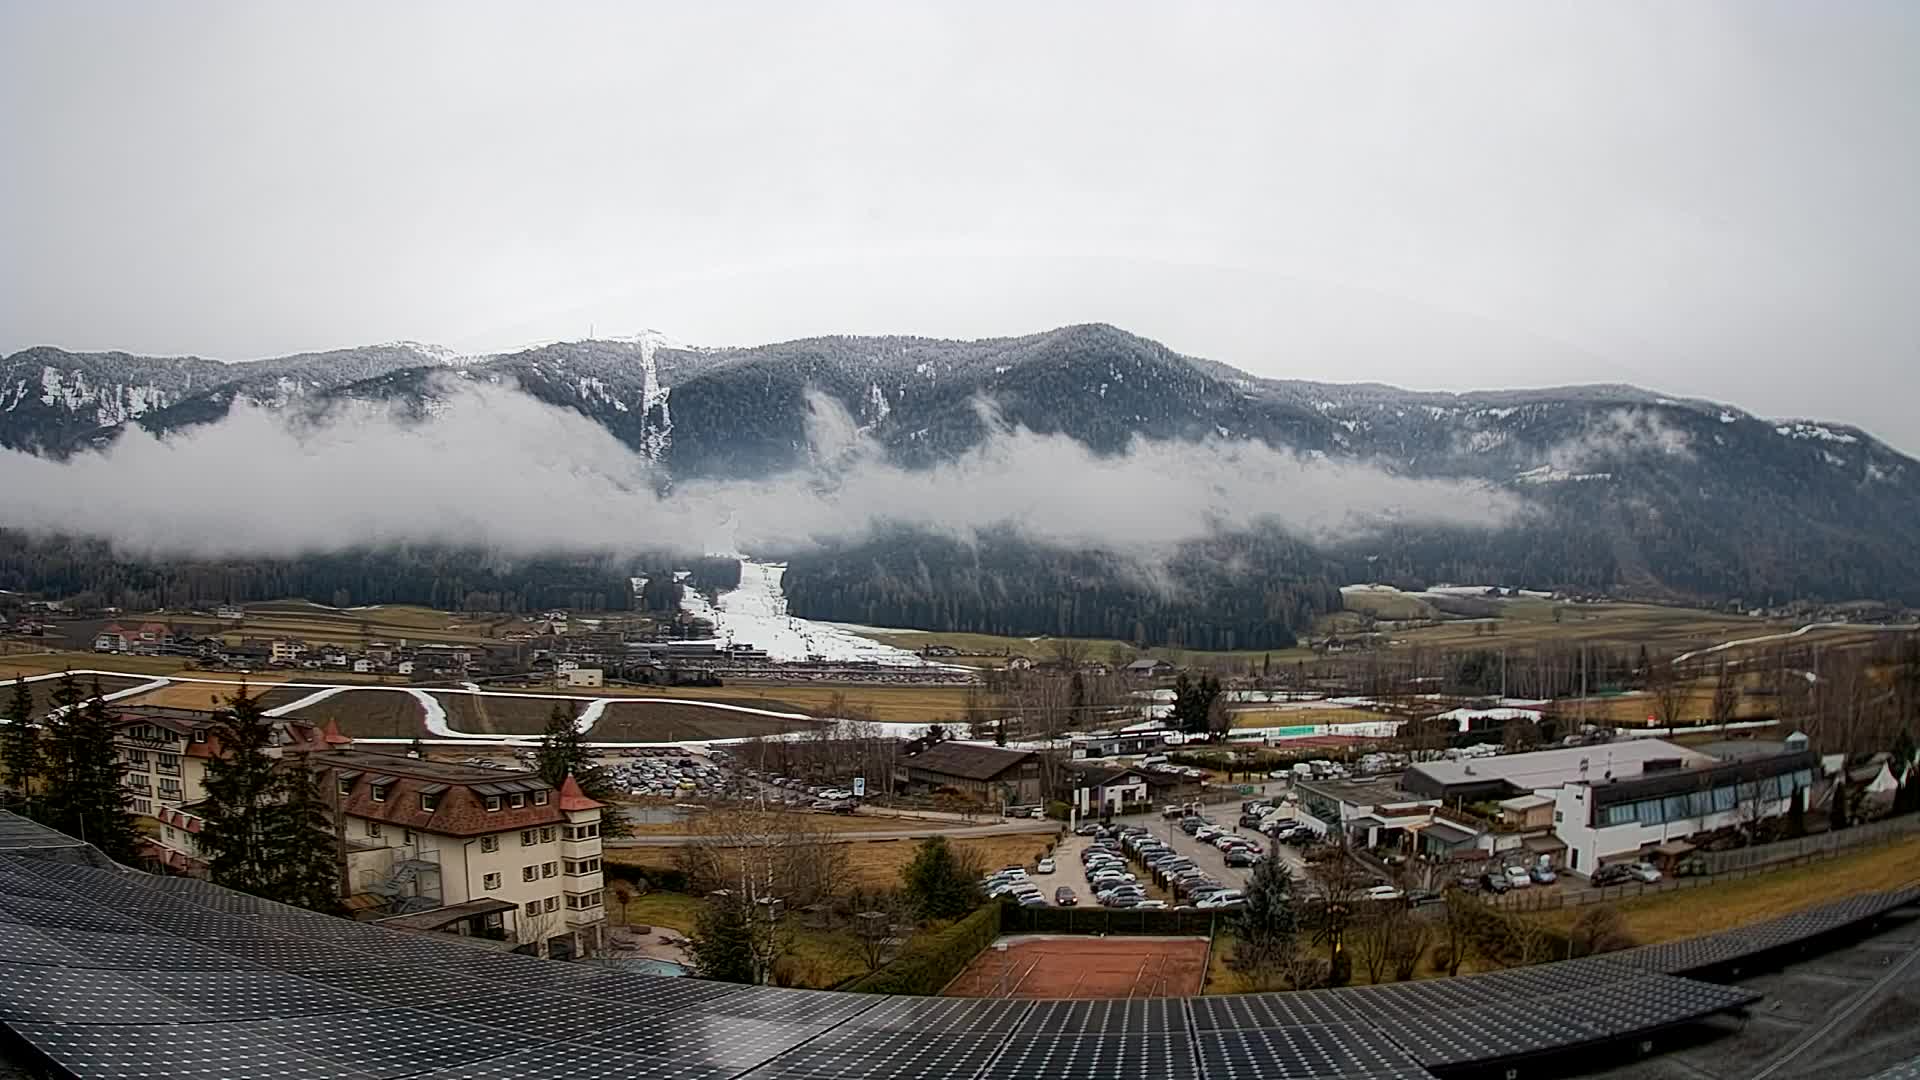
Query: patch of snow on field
[(756, 614)]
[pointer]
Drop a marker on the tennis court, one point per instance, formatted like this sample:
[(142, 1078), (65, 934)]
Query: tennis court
[(1085, 967)]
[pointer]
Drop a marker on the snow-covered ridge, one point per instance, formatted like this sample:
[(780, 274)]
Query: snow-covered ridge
[(1548, 474), (1804, 429)]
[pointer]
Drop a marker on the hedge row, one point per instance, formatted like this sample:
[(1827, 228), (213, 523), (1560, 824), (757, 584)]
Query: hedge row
[(1099, 920), (931, 962)]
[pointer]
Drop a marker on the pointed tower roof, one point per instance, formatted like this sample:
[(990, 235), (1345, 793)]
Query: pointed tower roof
[(572, 798), (332, 736)]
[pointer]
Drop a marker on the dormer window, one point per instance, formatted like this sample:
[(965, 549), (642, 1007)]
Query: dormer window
[(380, 790), (539, 798), (493, 803), (346, 787), (199, 735), (430, 797), (516, 800)]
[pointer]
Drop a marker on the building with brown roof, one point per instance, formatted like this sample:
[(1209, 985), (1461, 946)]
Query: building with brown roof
[(987, 774)]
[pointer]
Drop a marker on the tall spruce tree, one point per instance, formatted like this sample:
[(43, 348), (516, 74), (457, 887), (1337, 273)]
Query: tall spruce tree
[(102, 802), (302, 838), (20, 751), (562, 751), (243, 801), (83, 796)]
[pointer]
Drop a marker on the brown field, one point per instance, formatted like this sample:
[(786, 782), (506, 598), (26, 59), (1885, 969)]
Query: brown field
[(1255, 716), (497, 715), (370, 714), (873, 864), (1086, 968), (49, 662), (1728, 904), (42, 692), (649, 721), (1531, 621), (833, 823), (905, 704), (199, 695)]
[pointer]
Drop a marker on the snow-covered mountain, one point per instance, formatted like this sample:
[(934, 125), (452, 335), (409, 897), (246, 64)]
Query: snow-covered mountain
[(1638, 491)]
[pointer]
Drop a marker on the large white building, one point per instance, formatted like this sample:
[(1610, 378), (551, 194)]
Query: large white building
[(436, 846)]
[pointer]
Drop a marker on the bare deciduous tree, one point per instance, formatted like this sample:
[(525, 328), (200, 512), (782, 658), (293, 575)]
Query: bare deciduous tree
[(1669, 689), (1726, 694)]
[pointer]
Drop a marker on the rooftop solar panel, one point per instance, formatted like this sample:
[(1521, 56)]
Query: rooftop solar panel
[(1312, 1052), (951, 1016), (84, 996), (163, 1052), (724, 1042), (1292, 1009), (534, 1012), (818, 1007), (393, 1043), (1146, 1054), (569, 1061), (849, 1053), (1106, 1017)]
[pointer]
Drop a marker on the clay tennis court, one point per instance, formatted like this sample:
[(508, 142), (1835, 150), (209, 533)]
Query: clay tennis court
[(1085, 967)]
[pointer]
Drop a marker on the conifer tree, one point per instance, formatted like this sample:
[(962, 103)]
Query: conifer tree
[(242, 804), (20, 751), (301, 837), (562, 752), (101, 802), (721, 944)]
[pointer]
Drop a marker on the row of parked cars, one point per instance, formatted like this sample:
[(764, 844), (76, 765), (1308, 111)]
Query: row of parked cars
[(1013, 883), (1192, 886), (1237, 850)]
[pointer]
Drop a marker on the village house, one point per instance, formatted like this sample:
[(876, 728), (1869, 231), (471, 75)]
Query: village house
[(985, 774), (1101, 792)]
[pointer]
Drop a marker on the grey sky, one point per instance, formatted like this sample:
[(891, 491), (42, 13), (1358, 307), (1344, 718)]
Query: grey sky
[(1710, 199)]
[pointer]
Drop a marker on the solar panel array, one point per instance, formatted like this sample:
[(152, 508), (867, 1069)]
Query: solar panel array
[(1732, 946), (107, 972)]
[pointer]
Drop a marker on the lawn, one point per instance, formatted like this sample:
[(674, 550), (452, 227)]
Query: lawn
[(1727, 904), (874, 864), (649, 721), (47, 662), (820, 958), (42, 692), (199, 695)]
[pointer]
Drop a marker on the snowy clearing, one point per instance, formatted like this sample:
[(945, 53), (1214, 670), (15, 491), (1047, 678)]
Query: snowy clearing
[(756, 614)]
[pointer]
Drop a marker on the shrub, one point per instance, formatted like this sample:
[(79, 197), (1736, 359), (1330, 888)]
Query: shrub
[(933, 960), (1059, 811)]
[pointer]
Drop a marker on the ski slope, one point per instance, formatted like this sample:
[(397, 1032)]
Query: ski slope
[(756, 614)]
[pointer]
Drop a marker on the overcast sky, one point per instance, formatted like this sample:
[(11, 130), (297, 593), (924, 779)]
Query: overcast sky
[(1710, 199)]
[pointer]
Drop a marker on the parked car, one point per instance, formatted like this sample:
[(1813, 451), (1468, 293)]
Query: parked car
[(1419, 897), (1088, 829), (1151, 905), (1517, 877), (1645, 873), (1612, 874), (1221, 899), (1064, 897), (1383, 893), (1045, 866), (1495, 882), (1543, 875), (1241, 857)]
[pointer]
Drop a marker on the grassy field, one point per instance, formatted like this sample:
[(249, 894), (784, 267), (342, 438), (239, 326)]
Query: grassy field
[(42, 692), (1274, 717), (1389, 605), (1529, 621), (50, 662), (874, 864), (820, 958), (637, 721), (1691, 912), (380, 623), (992, 650), (198, 695), (370, 714), (905, 704)]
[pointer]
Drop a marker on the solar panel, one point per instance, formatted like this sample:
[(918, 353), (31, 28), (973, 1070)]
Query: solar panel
[(722, 1042), (534, 1012), (649, 991), (163, 1052), (568, 1061), (882, 1054), (239, 995), (393, 1043), (949, 1016), (1105, 1017), (1155, 1054), (84, 996), (817, 1007), (1311, 1052), (97, 949), (1294, 1009)]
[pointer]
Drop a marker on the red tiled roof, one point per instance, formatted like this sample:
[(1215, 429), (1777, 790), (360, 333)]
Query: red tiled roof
[(460, 812), (332, 735), (572, 798)]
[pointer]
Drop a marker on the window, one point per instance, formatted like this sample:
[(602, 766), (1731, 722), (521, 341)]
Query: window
[(137, 759), (167, 763), (553, 903), (346, 787), (491, 881), (430, 803), (516, 800), (200, 735), (582, 866), (1724, 798), (546, 835), (1700, 804), (533, 907), (493, 803), (169, 789), (406, 836), (582, 832), (373, 828), (489, 844), (549, 869), (379, 793), (529, 872), (142, 806), (1674, 807), (527, 837), (583, 902), (539, 798)]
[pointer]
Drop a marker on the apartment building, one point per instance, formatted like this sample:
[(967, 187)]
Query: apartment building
[(481, 851)]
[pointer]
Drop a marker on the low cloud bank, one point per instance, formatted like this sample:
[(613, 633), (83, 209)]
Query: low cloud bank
[(496, 469)]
